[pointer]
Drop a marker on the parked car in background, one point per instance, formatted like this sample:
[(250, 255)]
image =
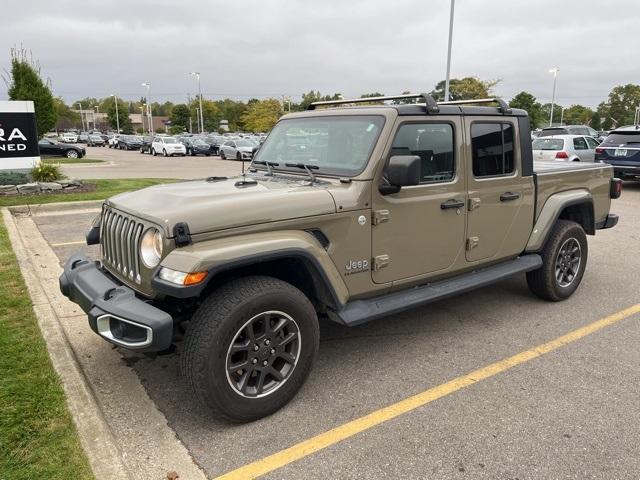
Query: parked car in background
[(621, 148), (568, 148), (237, 149), (68, 137), (195, 146), (167, 146), (129, 142), (215, 141), (95, 140), (113, 140), (146, 144), (50, 148), (569, 130), (83, 137)]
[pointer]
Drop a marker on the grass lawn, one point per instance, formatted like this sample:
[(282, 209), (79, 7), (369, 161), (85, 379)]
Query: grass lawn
[(38, 439), (67, 161), (104, 189)]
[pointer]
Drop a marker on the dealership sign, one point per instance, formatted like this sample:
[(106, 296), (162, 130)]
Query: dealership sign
[(18, 136)]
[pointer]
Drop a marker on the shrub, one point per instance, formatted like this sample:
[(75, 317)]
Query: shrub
[(46, 172), (13, 178)]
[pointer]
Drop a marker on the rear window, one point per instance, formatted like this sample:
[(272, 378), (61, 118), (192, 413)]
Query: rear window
[(579, 131), (622, 138), (547, 132), (548, 144)]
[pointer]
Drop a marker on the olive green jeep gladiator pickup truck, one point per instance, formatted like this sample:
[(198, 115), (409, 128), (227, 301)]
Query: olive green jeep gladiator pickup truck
[(347, 212)]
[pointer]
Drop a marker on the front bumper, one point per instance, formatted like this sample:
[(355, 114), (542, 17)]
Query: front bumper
[(114, 311)]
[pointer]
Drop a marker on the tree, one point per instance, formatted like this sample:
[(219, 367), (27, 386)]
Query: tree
[(468, 88), (622, 103), (123, 116), (176, 129), (262, 115), (311, 96), (526, 101), (180, 114), (578, 115), (25, 84), (67, 118)]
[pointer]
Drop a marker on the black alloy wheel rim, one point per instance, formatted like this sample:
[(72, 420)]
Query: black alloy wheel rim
[(263, 354), (568, 262)]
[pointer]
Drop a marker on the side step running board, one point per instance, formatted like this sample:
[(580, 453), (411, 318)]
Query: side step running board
[(361, 311)]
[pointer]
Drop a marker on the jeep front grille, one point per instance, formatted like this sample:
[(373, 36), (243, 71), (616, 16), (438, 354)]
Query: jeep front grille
[(119, 242)]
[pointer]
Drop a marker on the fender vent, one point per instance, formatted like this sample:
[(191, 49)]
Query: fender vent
[(321, 237)]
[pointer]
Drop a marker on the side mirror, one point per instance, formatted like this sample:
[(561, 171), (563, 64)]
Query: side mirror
[(401, 171)]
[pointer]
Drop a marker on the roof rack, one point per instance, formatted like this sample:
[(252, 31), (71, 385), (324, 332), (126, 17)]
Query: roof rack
[(432, 105), (504, 106)]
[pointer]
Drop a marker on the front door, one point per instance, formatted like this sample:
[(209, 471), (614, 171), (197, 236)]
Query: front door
[(420, 229), (497, 223)]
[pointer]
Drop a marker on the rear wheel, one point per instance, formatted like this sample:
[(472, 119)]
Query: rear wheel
[(249, 347), (564, 259), (222, 155)]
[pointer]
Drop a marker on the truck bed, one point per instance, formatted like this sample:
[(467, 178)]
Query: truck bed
[(554, 177)]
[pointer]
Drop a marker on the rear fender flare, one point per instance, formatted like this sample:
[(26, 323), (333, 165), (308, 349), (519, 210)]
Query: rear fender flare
[(550, 213)]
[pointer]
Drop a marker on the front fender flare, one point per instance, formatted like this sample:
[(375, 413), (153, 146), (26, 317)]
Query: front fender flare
[(219, 255), (551, 212)]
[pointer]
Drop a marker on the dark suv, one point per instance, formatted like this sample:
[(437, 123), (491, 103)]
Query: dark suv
[(621, 148)]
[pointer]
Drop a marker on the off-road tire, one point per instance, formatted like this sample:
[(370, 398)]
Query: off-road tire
[(543, 282), (215, 324), (222, 155)]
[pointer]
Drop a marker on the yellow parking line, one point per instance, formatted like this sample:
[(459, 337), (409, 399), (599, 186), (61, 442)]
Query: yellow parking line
[(342, 432), (64, 244)]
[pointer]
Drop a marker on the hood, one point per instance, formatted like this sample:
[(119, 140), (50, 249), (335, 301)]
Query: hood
[(208, 206)]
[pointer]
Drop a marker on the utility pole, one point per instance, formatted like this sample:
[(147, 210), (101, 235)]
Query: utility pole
[(149, 113), (553, 95), (446, 82), (201, 118), (81, 117), (190, 120), (115, 99)]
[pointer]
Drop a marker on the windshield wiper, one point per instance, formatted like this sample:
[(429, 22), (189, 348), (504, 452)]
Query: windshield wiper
[(308, 168), (268, 164)]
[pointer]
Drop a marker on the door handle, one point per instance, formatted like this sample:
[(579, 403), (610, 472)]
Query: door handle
[(507, 196), (452, 203)]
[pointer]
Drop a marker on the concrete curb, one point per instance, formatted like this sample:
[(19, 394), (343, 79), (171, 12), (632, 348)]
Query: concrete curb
[(55, 207), (121, 429), (95, 436)]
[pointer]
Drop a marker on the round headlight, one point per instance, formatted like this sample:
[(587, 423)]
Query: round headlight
[(151, 247)]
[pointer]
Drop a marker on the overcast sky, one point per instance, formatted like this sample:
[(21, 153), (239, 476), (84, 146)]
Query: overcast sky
[(268, 48)]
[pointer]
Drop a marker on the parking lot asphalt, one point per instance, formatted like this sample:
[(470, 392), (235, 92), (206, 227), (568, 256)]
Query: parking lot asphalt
[(133, 164), (572, 413)]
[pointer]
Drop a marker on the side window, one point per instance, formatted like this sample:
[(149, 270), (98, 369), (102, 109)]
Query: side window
[(492, 149), (433, 143), (592, 142), (580, 144)]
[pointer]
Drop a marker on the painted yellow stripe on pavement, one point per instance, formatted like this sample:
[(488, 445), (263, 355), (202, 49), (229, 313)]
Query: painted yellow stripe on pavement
[(349, 429), (64, 244)]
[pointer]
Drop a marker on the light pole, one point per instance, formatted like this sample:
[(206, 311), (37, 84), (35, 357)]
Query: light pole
[(201, 120), (94, 117), (561, 114), (555, 71), (149, 114), (115, 99), (81, 117), (142, 115), (446, 82)]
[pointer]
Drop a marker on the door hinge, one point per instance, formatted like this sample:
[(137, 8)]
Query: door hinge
[(380, 261), (380, 216), (472, 242), (474, 203)]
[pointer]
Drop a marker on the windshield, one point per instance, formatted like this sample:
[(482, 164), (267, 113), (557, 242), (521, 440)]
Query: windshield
[(548, 144), (617, 139), (170, 140), (199, 142), (338, 145)]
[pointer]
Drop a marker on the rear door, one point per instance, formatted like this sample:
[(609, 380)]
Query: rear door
[(581, 149), (497, 223), (592, 143)]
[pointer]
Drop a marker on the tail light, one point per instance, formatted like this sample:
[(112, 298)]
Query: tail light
[(562, 156), (599, 150), (616, 188)]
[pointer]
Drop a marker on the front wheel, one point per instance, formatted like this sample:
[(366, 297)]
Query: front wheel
[(71, 154), (564, 259), (250, 347), (153, 152), (164, 152), (222, 155)]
